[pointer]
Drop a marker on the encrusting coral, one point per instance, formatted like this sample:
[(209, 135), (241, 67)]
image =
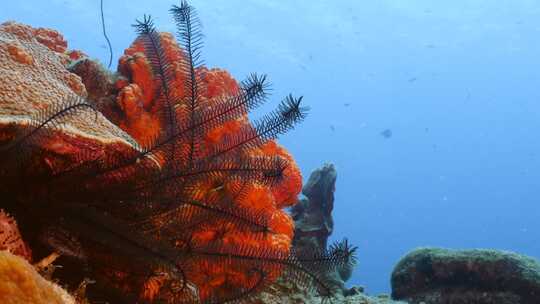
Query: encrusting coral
[(35, 86), (161, 185)]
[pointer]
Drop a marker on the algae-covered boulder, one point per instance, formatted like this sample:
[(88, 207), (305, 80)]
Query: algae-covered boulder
[(433, 275)]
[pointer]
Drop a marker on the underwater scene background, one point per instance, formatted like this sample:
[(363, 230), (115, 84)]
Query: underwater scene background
[(429, 110)]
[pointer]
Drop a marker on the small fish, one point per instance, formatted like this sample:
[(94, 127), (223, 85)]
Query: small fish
[(346, 104), (332, 128), (412, 79), (386, 133)]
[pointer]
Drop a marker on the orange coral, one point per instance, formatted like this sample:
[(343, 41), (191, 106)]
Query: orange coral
[(19, 54), (285, 196), (139, 122), (46, 37), (137, 99)]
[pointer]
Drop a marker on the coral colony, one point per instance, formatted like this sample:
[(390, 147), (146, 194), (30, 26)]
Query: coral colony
[(155, 184)]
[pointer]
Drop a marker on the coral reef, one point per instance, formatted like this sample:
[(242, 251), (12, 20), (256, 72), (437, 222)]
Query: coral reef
[(434, 275), (21, 284), (158, 185), (154, 182)]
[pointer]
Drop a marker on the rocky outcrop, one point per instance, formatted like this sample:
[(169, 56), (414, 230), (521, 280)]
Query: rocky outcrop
[(313, 219), (99, 82), (313, 214), (432, 275)]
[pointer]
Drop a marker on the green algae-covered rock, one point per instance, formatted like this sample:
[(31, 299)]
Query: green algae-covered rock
[(434, 275)]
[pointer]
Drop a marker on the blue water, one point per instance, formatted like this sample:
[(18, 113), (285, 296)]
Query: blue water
[(457, 83)]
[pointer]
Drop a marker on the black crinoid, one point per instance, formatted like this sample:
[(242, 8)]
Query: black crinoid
[(174, 219)]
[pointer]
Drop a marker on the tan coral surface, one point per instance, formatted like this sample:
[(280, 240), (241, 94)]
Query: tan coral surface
[(33, 76), (21, 284)]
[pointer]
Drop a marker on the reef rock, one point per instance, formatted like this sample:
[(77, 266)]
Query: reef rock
[(313, 214), (21, 284), (96, 79), (433, 275), (313, 217)]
